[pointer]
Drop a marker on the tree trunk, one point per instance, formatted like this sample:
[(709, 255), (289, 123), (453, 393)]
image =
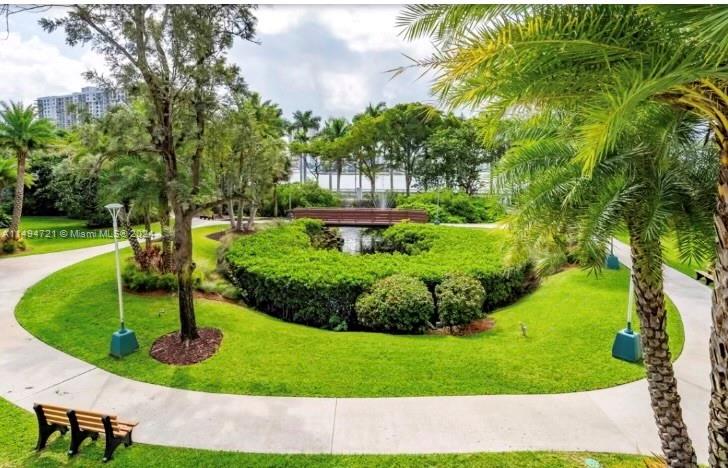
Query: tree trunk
[(167, 259), (251, 216), (338, 176), (241, 213), (650, 304), (133, 240), (718, 424), (407, 183), (231, 213), (331, 185), (14, 229), (184, 267), (372, 180), (305, 168), (275, 200), (391, 179)]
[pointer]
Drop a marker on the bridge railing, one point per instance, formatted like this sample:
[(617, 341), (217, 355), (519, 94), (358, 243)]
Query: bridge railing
[(360, 216)]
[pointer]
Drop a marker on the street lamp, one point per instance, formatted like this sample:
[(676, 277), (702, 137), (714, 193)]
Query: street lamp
[(124, 340)]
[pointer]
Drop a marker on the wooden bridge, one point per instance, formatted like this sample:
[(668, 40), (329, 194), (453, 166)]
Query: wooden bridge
[(360, 216)]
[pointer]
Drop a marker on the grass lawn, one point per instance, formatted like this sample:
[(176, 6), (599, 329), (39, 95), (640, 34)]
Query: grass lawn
[(45, 234), (18, 431), (571, 319), (671, 255)]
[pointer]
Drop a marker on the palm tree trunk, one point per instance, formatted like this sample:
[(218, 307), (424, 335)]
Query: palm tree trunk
[(338, 175), (133, 240), (718, 424), (650, 304), (14, 229)]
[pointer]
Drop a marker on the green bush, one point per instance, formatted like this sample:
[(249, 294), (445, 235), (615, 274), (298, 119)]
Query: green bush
[(302, 195), (460, 299), (9, 246), (398, 303), (454, 207), (280, 272), (138, 280)]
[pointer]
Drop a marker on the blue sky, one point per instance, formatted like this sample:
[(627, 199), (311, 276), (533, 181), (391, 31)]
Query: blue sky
[(330, 59)]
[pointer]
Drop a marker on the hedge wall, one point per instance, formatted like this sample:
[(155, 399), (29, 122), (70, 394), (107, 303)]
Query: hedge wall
[(281, 273)]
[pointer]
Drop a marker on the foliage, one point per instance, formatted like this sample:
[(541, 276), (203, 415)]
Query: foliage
[(397, 303), (140, 280), (301, 195), (280, 272), (459, 300), (10, 246), (454, 207)]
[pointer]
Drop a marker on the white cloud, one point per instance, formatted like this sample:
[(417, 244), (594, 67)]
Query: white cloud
[(344, 92), (32, 68), (278, 19)]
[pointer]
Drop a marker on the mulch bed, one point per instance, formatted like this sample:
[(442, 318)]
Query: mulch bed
[(216, 236), (169, 349)]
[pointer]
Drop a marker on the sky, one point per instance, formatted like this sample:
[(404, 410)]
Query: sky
[(333, 60)]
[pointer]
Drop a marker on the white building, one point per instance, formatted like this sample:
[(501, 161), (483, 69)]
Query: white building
[(68, 110)]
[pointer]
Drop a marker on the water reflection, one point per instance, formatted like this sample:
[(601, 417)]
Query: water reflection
[(358, 240)]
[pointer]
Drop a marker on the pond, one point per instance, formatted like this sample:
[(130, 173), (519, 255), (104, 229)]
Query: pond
[(358, 240)]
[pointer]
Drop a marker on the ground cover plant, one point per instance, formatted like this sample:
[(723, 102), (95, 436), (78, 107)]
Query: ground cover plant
[(454, 207), (18, 431), (571, 320), (282, 273)]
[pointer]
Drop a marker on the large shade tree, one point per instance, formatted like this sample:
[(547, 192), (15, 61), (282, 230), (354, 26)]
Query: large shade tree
[(175, 55), (22, 133), (603, 61)]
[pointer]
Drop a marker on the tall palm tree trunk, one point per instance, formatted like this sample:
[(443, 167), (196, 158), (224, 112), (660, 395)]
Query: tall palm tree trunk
[(14, 229), (718, 425), (661, 382), (133, 240)]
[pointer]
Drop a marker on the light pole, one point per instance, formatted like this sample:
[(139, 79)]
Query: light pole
[(124, 340)]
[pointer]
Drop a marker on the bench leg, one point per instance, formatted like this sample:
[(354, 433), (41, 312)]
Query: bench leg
[(112, 442), (45, 430), (78, 435)]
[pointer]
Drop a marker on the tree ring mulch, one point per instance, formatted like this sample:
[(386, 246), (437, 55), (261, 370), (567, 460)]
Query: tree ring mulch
[(169, 349)]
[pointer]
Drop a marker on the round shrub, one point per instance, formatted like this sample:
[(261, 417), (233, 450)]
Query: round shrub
[(398, 303), (460, 299)]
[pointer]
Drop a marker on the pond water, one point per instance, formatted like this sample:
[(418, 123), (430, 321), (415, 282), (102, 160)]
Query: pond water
[(357, 239)]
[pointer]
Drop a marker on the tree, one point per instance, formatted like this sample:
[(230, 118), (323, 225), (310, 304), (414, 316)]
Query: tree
[(454, 155), (303, 125), (22, 133), (406, 130), (645, 184), (363, 143), (333, 132), (604, 62), (175, 55)]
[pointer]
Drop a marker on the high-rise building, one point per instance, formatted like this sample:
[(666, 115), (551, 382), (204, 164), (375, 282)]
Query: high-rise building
[(68, 110)]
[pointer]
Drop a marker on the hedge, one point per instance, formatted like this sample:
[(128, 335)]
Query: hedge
[(453, 207), (282, 274)]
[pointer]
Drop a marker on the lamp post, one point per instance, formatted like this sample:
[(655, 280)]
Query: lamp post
[(123, 341)]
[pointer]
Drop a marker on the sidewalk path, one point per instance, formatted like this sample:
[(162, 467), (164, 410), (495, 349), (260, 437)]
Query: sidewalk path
[(617, 419)]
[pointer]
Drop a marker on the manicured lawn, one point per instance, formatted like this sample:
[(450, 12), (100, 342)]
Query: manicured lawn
[(571, 321), (671, 255), (44, 234), (18, 435)]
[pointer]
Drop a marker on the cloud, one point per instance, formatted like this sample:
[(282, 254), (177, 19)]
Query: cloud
[(33, 68), (344, 92), (278, 19)]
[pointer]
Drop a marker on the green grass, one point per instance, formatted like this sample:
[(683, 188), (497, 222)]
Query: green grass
[(571, 319), (45, 234), (18, 436), (671, 255)]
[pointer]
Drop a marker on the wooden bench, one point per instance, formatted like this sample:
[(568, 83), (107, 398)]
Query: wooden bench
[(360, 216), (83, 424), (709, 278)]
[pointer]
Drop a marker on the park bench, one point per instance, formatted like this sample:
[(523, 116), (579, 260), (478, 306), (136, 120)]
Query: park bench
[(709, 278), (83, 424), (360, 216)]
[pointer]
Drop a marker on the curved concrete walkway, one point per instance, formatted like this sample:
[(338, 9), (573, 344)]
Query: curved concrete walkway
[(618, 419)]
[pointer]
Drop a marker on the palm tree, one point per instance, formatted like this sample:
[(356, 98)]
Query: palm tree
[(334, 129), (304, 123), (645, 184), (22, 133), (602, 62)]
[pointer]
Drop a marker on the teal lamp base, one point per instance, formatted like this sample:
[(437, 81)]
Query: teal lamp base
[(612, 262), (123, 343), (627, 346)]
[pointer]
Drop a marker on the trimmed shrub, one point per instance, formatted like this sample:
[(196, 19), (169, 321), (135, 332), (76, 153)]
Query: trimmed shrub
[(142, 281), (460, 299), (10, 246), (455, 207), (398, 303), (280, 272)]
